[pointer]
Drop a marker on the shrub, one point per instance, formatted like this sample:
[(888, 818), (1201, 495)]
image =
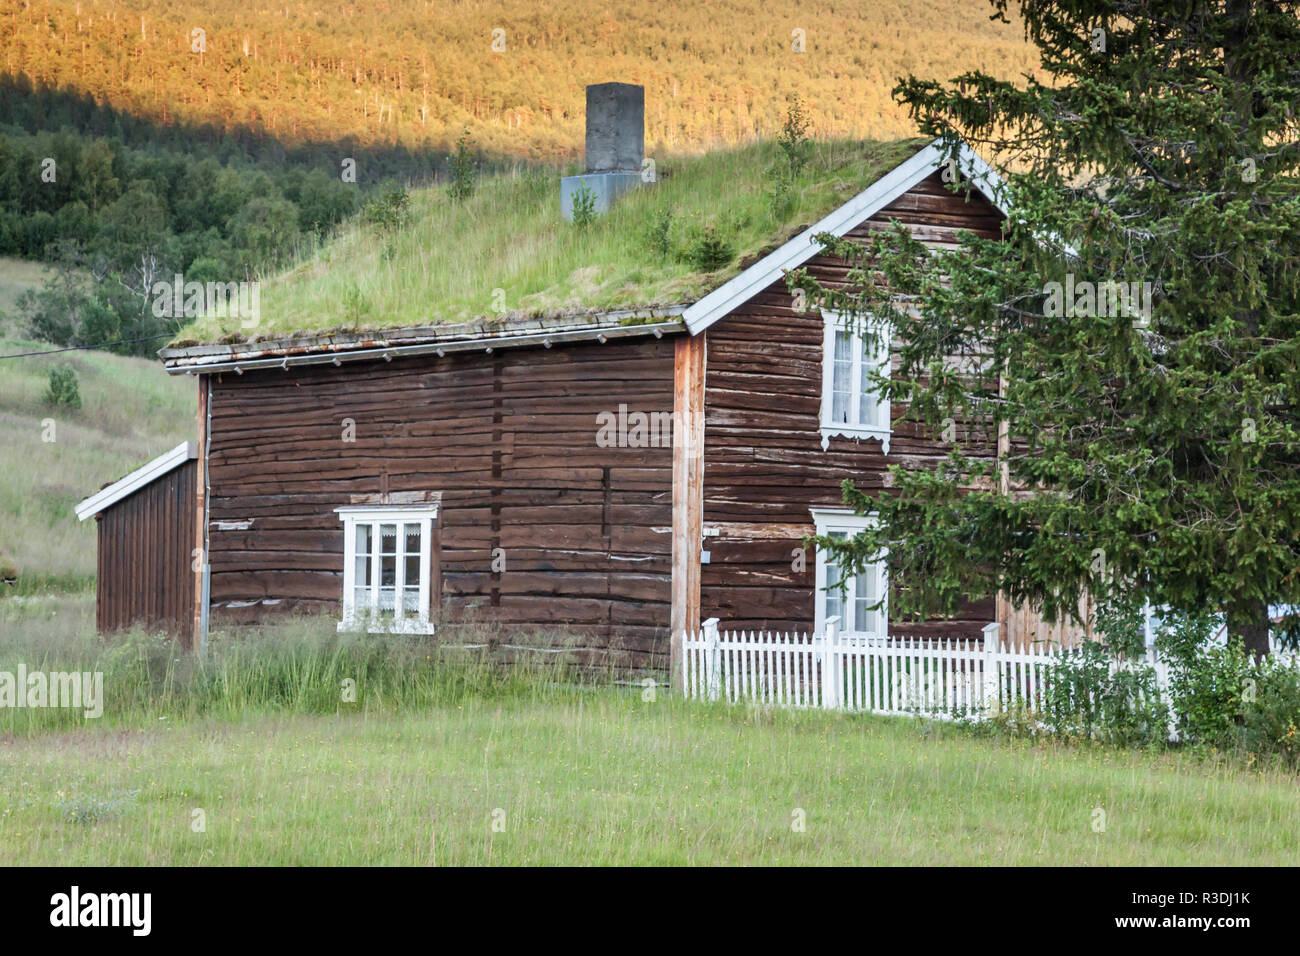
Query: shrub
[(794, 137), (659, 236), (464, 169), (584, 207), (1270, 716), (794, 146), (1094, 695), (63, 389), (709, 252), (390, 211)]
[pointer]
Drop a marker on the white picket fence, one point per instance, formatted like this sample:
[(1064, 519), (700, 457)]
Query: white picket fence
[(940, 678)]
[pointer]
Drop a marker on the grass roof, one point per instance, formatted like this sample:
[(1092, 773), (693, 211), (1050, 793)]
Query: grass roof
[(506, 252)]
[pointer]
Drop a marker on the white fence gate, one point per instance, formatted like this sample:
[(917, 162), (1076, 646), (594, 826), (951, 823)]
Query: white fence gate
[(930, 677)]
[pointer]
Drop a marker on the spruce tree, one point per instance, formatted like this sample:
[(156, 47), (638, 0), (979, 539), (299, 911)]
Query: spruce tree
[(1134, 337)]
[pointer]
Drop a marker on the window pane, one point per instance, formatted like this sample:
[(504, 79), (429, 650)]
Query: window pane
[(865, 596), (841, 378), (412, 540), (867, 401), (387, 565), (363, 539), (833, 595)]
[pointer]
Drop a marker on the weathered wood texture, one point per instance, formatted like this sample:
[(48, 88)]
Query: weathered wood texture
[(509, 439), (144, 567), (688, 487), (764, 463), (1024, 625)]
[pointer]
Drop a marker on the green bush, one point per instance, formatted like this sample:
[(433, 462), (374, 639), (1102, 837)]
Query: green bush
[(659, 235), (584, 207), (464, 169), (709, 252), (63, 389), (1094, 696), (390, 211), (1226, 700)]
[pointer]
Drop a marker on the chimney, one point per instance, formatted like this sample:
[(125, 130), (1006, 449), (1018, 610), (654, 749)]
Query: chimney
[(615, 146)]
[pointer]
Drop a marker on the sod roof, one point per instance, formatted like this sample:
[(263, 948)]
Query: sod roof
[(505, 256)]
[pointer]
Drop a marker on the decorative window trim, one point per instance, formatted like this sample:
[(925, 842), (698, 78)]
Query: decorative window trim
[(827, 520), (882, 427), (401, 622)]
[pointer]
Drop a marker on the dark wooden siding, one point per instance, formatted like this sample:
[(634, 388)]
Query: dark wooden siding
[(509, 439), (146, 553), (764, 464)]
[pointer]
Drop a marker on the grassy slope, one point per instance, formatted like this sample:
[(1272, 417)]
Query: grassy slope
[(446, 265), (16, 277), (131, 411), (608, 779), (714, 70)]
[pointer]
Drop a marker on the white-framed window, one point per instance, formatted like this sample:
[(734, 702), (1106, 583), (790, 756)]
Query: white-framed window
[(387, 567), (852, 602), (850, 405)]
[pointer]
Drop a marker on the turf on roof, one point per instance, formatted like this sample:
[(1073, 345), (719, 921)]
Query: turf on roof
[(507, 253)]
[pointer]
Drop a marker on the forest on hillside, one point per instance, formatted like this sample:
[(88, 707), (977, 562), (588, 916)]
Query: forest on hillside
[(114, 203), (514, 71), (144, 139)]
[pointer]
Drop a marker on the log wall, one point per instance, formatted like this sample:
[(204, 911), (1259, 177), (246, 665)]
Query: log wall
[(510, 441), (765, 467)]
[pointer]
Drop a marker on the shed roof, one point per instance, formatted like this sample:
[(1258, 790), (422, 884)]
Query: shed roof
[(110, 495)]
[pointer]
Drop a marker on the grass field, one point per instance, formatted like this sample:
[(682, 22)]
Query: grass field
[(433, 754), (131, 411), (16, 277)]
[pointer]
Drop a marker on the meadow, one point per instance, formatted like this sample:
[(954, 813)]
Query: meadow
[(255, 757), (53, 456)]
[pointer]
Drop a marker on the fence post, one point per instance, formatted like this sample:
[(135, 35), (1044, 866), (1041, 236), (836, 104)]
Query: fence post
[(991, 694), (830, 665), (713, 656)]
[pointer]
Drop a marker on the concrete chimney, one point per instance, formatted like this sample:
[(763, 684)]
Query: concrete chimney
[(615, 146)]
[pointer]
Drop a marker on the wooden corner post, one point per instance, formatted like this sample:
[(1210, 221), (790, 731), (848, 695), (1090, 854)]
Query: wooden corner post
[(688, 491), (200, 560)]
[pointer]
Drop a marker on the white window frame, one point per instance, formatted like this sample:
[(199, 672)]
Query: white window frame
[(400, 622), (880, 426), (826, 521)]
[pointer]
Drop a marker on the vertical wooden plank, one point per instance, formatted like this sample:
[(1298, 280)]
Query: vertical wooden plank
[(200, 539), (688, 488)]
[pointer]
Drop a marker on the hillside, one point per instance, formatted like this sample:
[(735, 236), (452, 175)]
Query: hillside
[(506, 252), (131, 411), (514, 71)]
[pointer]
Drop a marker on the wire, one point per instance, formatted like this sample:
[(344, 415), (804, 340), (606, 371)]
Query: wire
[(90, 348)]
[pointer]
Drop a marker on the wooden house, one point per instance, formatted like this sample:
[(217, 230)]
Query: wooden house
[(610, 477)]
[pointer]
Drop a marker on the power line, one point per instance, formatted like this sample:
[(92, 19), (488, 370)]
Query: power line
[(90, 348)]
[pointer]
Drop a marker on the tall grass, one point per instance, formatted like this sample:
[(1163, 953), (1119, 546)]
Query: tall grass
[(303, 666)]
